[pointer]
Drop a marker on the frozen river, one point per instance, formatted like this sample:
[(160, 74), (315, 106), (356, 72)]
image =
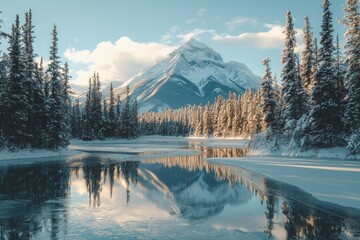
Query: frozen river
[(146, 195)]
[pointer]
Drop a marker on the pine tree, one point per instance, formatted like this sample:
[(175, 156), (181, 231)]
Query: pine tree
[(134, 119), (97, 108), (16, 108), (118, 120), (352, 60), (30, 84), (105, 120), (111, 112), (292, 91), (39, 121), (307, 57), (126, 117), (58, 131), (88, 133), (268, 100), (3, 80), (340, 77), (76, 120), (325, 117), (207, 128)]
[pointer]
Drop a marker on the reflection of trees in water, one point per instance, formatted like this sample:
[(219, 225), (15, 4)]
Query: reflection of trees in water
[(129, 171), (306, 217), (223, 152), (96, 174), (37, 183), (25, 192)]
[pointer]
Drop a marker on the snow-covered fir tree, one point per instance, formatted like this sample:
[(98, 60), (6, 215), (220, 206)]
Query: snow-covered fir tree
[(15, 103), (307, 57), (340, 71), (352, 60), (292, 93), (39, 121), (111, 112), (268, 100), (325, 119), (57, 129), (76, 120)]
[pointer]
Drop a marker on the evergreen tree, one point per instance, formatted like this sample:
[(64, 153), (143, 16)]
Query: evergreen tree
[(58, 131), (118, 120), (16, 108), (126, 117), (268, 99), (30, 84), (325, 117), (207, 128), (307, 58), (39, 121), (292, 91), (340, 77), (76, 120), (134, 119), (352, 60), (111, 112), (3, 80), (88, 133), (105, 120), (97, 115)]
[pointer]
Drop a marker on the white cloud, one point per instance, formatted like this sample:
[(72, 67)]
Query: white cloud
[(116, 61), (232, 24), (201, 12), (192, 20), (273, 38)]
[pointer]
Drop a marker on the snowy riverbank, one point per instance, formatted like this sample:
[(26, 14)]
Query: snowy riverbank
[(331, 180)]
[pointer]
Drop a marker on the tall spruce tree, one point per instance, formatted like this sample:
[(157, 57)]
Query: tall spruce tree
[(111, 112), (134, 119), (352, 60), (88, 133), (76, 120), (340, 77), (293, 106), (325, 119), (39, 121), (126, 117), (57, 128), (268, 100), (30, 83), (307, 57), (16, 107)]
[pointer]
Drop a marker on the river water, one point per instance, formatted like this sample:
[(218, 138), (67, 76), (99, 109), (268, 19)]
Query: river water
[(94, 196)]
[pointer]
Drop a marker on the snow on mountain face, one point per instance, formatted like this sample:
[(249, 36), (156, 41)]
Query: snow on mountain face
[(192, 74)]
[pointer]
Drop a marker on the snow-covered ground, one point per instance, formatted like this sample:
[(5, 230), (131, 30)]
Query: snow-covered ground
[(34, 155), (332, 180)]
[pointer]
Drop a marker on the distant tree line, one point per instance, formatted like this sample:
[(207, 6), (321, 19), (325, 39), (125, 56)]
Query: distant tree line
[(235, 116), (34, 102), (316, 106), (102, 118)]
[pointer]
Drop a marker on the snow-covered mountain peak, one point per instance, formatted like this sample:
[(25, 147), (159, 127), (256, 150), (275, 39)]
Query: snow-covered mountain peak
[(192, 74), (194, 50)]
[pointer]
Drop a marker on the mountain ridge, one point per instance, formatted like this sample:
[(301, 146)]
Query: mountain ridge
[(192, 74)]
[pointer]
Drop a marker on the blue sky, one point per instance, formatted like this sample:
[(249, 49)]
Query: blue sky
[(118, 38)]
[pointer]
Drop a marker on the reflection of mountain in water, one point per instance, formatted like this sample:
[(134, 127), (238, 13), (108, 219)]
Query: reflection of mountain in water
[(192, 192)]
